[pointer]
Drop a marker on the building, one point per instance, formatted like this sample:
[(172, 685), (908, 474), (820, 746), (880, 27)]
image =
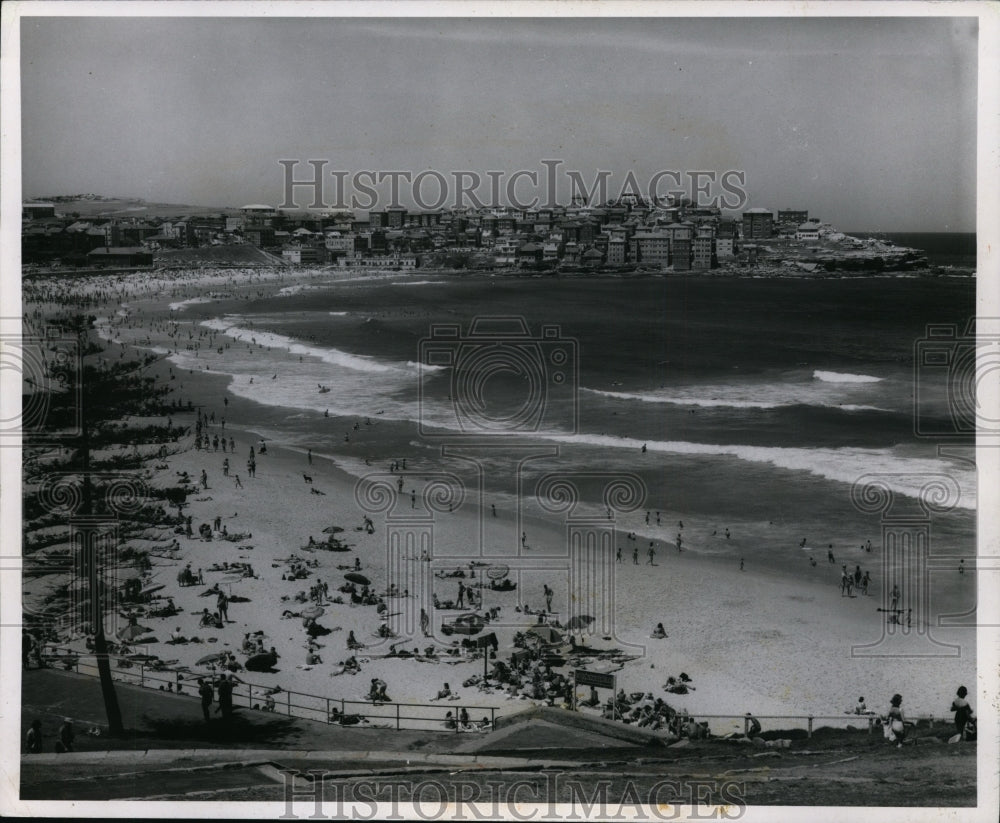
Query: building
[(723, 247), (758, 224), (651, 248), (395, 218), (505, 251), (120, 256), (792, 218), (617, 251), (681, 254), (258, 213), (807, 231), (37, 211), (261, 237), (701, 251), (340, 243), (361, 261), (304, 255)]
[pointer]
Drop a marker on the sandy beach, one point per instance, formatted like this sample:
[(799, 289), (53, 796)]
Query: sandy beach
[(754, 636)]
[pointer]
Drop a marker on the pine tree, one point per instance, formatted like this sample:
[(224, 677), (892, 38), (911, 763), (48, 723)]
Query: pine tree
[(91, 405)]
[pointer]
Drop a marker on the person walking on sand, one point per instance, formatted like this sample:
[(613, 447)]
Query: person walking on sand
[(680, 543), (461, 594), (652, 553), (222, 604), (204, 480), (66, 736), (741, 564), (635, 555), (618, 556), (425, 623), (897, 722), (34, 737), (493, 509), (207, 694), (225, 688), (548, 597), (239, 485), (960, 706)]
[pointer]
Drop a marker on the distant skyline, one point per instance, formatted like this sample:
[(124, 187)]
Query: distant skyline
[(868, 123)]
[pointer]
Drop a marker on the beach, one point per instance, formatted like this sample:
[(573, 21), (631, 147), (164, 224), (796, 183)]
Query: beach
[(753, 624)]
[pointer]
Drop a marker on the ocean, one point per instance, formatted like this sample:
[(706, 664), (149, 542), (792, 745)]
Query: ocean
[(942, 248), (737, 403)]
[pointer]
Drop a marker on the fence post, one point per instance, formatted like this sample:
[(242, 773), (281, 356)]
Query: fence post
[(328, 710), (493, 720), (249, 695), (810, 733), (142, 675), (397, 717), (288, 701)]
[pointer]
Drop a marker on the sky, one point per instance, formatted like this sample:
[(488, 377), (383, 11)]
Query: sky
[(868, 123)]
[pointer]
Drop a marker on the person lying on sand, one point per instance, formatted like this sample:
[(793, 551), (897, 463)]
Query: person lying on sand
[(349, 666)]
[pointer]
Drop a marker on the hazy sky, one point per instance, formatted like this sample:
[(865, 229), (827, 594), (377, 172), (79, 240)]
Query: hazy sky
[(868, 123)]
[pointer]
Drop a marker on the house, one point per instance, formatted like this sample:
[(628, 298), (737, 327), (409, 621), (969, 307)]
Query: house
[(529, 254), (807, 231)]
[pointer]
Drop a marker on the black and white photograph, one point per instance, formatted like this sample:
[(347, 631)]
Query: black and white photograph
[(456, 411)]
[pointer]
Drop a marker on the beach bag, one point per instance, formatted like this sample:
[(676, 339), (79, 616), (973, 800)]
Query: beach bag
[(887, 731)]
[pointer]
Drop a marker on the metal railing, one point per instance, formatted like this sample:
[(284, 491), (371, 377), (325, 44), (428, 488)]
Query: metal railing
[(416, 716), (740, 723), (363, 713)]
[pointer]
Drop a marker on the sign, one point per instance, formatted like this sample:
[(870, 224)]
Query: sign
[(598, 679)]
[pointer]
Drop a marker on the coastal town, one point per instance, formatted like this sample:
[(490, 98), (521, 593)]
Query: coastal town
[(625, 235)]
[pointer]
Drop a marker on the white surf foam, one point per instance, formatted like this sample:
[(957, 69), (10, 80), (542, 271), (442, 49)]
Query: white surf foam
[(180, 305), (906, 475), (839, 377)]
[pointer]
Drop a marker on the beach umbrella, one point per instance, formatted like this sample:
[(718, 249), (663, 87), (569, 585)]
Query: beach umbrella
[(210, 658), (354, 577), (497, 572), (152, 589), (313, 612), (333, 530), (132, 631), (579, 621)]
